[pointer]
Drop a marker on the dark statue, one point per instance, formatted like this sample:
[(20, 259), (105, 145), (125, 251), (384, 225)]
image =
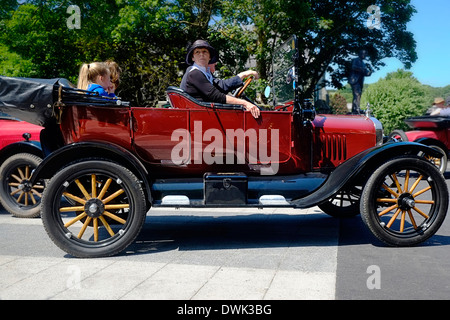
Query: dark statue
[(358, 71)]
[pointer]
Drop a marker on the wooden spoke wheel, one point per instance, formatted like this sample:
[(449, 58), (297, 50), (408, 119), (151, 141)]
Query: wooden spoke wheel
[(17, 195), (344, 204), (93, 208), (440, 163), (404, 201)]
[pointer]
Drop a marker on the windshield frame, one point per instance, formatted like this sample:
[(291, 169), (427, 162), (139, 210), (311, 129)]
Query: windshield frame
[(285, 73)]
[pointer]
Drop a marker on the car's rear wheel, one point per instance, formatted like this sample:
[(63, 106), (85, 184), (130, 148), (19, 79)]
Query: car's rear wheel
[(405, 201), (93, 208), (397, 136), (17, 195), (440, 163), (344, 204)]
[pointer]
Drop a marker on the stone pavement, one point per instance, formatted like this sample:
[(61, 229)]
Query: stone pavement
[(230, 254)]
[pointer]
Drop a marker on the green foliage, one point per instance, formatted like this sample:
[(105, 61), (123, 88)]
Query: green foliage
[(11, 64), (338, 104), (442, 92), (395, 98), (151, 40), (330, 34), (346, 92), (30, 31)]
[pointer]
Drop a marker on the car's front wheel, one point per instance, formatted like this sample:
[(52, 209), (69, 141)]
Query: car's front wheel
[(93, 208), (405, 201)]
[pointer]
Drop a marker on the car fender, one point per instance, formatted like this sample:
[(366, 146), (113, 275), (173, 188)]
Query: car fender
[(432, 142), (420, 134), (33, 147), (88, 150), (357, 170)]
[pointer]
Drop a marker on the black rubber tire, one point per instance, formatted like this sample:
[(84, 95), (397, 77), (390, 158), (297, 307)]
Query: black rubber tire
[(63, 196), (384, 212), (397, 135), (16, 195), (440, 163), (344, 204)]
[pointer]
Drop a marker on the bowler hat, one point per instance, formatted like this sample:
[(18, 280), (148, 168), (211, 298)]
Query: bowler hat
[(202, 44)]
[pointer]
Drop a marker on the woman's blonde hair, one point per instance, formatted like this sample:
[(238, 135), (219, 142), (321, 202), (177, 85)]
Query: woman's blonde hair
[(89, 73)]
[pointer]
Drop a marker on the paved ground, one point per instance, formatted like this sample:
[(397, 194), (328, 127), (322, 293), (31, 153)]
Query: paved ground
[(182, 254), (228, 254)]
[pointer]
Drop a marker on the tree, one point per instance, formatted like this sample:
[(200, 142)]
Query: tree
[(38, 32), (330, 34), (13, 65), (396, 97), (247, 28), (6, 8), (151, 41), (149, 38)]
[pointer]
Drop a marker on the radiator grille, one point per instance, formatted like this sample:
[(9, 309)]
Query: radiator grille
[(334, 147)]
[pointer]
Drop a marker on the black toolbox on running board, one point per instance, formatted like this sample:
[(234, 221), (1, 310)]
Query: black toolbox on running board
[(225, 188)]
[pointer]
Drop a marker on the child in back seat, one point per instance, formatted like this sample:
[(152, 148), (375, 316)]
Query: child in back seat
[(96, 77)]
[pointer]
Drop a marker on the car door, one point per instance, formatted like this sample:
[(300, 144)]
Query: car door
[(156, 134), (217, 137), (269, 142), (236, 141)]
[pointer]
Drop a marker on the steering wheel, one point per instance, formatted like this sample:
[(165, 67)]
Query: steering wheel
[(242, 89)]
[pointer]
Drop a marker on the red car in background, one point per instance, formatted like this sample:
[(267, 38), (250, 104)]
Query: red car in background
[(433, 131), (20, 154)]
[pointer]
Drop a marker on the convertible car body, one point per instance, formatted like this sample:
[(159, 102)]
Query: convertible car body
[(108, 162)]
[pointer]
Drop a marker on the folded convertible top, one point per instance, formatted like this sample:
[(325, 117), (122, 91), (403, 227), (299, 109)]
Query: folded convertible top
[(36, 100), (30, 100)]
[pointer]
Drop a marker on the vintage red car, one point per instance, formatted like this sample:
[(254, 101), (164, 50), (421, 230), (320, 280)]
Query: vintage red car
[(20, 154), (109, 162), (433, 131)]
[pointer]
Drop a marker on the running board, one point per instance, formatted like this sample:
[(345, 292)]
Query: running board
[(184, 201), (175, 201)]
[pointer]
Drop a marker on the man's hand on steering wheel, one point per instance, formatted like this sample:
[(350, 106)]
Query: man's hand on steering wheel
[(241, 90), (250, 74)]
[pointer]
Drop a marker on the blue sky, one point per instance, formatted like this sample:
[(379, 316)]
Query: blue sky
[(431, 29)]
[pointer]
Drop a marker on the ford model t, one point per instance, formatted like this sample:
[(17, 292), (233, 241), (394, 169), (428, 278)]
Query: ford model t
[(108, 162)]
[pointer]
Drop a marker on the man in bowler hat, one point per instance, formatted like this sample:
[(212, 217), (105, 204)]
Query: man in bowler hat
[(199, 82)]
